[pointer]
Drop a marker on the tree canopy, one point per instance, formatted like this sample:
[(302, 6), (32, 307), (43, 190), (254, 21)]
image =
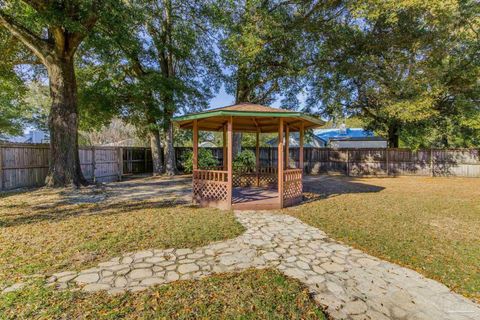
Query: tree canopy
[(49, 33), (407, 69)]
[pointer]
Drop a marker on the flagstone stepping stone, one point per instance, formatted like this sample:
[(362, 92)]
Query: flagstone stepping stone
[(86, 278), (355, 307), (332, 267), (153, 281), (271, 256), (187, 268), (14, 287), (140, 273), (171, 276), (121, 282)]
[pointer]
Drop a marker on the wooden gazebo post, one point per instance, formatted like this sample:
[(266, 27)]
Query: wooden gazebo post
[(195, 157), (280, 161), (287, 146), (195, 145), (257, 158), (300, 157), (225, 156), (230, 162)]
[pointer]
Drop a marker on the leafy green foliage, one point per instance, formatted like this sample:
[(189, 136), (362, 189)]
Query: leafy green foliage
[(245, 160), (250, 139), (22, 104), (11, 113), (408, 69), (205, 160), (262, 49), (12, 89), (155, 59)]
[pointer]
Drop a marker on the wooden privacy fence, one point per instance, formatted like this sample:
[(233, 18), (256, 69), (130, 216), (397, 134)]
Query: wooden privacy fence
[(394, 162), (23, 165), (372, 162), (100, 164), (26, 165)]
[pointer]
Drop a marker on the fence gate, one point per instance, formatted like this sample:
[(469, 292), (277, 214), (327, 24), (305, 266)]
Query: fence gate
[(136, 160)]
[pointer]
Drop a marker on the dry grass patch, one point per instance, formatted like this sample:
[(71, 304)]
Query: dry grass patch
[(428, 224), (43, 233), (252, 294)]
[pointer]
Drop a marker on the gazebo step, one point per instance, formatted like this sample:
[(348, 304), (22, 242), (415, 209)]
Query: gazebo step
[(257, 205)]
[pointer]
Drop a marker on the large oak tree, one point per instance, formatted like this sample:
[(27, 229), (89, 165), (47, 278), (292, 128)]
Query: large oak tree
[(52, 31)]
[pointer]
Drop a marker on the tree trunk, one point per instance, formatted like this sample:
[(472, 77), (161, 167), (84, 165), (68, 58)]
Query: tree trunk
[(242, 95), (154, 136), (64, 166), (444, 136), (393, 136), (169, 150), (237, 143)]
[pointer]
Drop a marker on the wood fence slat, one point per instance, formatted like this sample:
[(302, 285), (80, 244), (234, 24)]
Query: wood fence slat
[(2, 183)]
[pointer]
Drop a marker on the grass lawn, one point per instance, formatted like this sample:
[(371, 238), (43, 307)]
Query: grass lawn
[(428, 224), (253, 294), (42, 234)]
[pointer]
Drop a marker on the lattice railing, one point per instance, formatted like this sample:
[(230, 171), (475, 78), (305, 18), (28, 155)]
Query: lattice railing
[(248, 177), (210, 186), (268, 176), (292, 186)]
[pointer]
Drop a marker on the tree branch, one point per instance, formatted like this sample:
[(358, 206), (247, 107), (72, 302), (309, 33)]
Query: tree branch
[(76, 38), (40, 47), (38, 5), (26, 61)]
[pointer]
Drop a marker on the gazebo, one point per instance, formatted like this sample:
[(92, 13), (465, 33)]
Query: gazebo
[(262, 187)]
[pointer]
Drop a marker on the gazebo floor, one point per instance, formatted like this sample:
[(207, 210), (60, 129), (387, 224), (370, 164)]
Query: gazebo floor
[(255, 198)]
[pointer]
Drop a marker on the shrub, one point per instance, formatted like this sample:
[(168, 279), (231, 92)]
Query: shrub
[(205, 160), (245, 160)]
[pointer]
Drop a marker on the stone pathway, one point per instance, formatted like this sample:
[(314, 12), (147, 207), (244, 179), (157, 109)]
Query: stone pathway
[(346, 282)]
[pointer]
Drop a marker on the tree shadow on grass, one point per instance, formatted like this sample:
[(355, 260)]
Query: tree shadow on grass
[(323, 187), (55, 205), (31, 215)]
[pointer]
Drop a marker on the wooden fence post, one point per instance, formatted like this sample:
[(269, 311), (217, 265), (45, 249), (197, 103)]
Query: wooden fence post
[(386, 162), (120, 163), (257, 158), (93, 165), (432, 172), (348, 162), (1, 168)]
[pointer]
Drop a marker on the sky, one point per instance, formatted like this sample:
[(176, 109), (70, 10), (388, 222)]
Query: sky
[(223, 99)]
